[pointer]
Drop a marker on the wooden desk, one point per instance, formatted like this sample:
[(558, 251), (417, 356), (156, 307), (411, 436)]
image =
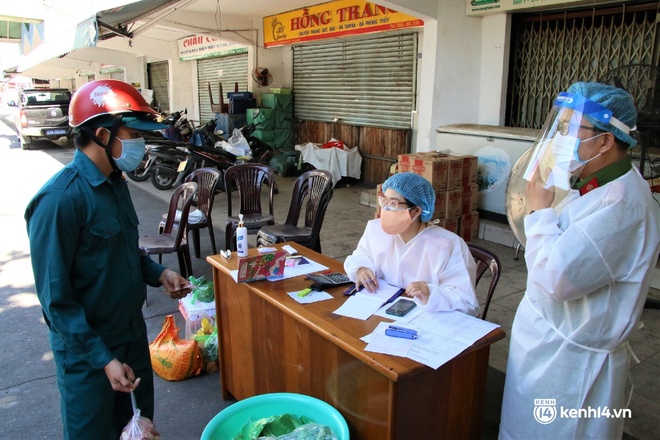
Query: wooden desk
[(269, 343)]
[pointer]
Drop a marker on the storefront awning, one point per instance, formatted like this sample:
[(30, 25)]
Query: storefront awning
[(84, 34), (87, 32)]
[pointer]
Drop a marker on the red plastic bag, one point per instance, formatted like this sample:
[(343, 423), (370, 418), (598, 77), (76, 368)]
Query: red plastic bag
[(333, 143), (139, 428)]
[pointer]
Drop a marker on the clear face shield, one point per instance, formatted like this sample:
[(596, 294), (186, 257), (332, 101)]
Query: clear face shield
[(553, 160)]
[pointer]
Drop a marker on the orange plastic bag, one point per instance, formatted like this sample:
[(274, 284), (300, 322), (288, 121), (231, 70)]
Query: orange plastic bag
[(173, 358)]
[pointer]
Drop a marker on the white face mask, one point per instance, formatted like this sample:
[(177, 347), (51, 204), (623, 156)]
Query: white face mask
[(565, 149)]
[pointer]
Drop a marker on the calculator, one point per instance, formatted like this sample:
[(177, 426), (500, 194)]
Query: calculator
[(330, 279)]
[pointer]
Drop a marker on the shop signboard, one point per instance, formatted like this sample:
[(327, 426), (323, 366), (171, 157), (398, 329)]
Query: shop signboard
[(198, 47), (484, 7), (333, 19)]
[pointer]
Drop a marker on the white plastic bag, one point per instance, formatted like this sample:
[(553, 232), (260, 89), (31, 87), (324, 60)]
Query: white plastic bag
[(139, 428), (238, 143)]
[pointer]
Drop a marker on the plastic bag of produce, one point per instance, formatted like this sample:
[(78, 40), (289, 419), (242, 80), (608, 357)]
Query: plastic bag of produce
[(207, 338), (202, 289), (139, 428)]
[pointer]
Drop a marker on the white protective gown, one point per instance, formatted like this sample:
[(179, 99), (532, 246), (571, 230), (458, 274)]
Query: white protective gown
[(435, 255), (590, 263)]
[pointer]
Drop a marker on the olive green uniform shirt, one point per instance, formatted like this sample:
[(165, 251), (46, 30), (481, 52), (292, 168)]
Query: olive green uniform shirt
[(89, 273)]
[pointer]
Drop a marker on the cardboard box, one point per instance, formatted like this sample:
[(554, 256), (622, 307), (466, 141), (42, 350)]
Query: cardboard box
[(454, 203), (450, 224), (440, 205), (468, 226), (379, 192), (470, 169), (470, 198), (431, 166), (194, 313), (454, 172)]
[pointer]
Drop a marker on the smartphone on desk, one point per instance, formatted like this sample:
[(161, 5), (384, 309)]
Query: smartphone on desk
[(401, 307)]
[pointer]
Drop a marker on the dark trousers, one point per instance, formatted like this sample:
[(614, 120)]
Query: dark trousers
[(91, 409)]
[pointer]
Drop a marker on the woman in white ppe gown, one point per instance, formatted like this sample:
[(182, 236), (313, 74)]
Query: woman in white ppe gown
[(590, 262), (401, 248)]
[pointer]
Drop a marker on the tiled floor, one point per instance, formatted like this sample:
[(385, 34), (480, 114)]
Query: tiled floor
[(344, 223)]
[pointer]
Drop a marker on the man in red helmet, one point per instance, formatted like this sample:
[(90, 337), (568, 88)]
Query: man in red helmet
[(89, 273)]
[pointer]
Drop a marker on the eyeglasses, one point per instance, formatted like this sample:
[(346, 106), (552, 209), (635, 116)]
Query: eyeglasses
[(391, 204), (564, 127)]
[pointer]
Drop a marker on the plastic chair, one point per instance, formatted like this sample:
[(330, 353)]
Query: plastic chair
[(173, 239), (207, 180), (485, 259), (248, 179), (312, 190)]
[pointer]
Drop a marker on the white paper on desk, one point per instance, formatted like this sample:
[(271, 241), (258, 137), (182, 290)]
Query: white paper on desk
[(454, 325), (301, 269), (410, 315), (429, 348), (311, 297), (364, 304), (379, 342), (434, 350)]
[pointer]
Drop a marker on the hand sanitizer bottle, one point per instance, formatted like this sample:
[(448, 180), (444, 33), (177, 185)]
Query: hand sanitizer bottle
[(241, 238)]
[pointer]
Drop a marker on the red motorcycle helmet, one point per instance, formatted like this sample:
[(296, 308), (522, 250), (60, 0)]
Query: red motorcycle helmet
[(107, 97)]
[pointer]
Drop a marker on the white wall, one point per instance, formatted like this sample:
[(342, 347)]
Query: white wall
[(449, 89), (495, 44)]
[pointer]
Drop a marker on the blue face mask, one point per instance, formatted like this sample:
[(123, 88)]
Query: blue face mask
[(132, 153)]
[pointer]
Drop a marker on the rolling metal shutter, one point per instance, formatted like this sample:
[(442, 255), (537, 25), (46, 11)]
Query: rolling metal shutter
[(362, 81), (119, 74), (228, 70), (552, 50), (158, 76)]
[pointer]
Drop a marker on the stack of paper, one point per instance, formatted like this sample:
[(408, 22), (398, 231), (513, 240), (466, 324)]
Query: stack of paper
[(441, 336)]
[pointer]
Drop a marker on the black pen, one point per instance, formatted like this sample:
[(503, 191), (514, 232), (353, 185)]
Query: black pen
[(396, 295)]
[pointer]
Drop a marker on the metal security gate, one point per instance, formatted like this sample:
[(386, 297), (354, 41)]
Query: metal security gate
[(228, 70), (550, 51), (362, 81), (158, 77)]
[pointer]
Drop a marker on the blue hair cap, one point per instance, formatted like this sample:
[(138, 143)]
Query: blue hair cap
[(416, 189), (616, 100)]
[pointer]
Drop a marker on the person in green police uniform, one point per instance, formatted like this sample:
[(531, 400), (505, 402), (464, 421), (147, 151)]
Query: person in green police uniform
[(89, 273)]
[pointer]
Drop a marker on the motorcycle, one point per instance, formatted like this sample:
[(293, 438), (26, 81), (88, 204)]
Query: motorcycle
[(207, 151), (164, 152)]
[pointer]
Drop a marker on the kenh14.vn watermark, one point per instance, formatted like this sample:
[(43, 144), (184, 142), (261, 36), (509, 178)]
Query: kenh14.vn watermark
[(545, 412)]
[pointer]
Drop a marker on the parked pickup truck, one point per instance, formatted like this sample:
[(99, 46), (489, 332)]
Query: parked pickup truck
[(42, 113)]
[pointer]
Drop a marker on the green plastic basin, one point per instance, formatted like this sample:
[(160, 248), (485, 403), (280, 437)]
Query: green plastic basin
[(229, 422)]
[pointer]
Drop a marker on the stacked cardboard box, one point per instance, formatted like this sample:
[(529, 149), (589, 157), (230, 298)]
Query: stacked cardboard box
[(454, 179), (273, 120)]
